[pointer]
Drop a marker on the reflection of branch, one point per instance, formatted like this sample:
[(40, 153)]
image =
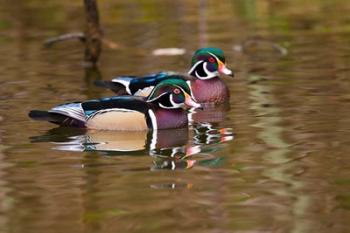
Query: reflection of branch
[(69, 36)]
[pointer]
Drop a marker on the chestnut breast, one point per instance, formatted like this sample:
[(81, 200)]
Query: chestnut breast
[(171, 118), (210, 91)]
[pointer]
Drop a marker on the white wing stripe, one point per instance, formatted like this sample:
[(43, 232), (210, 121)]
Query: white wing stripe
[(125, 82)]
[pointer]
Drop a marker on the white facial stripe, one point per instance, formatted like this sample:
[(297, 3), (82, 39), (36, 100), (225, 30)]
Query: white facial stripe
[(209, 74), (171, 99), (194, 67), (152, 92), (175, 105), (155, 98), (163, 93)]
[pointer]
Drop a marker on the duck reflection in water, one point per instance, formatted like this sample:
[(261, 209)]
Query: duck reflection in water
[(170, 149), (114, 142), (207, 127)]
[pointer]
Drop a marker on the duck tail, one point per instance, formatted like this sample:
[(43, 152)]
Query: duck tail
[(40, 115), (55, 118)]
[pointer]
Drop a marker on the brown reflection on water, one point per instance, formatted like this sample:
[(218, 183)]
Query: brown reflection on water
[(6, 200)]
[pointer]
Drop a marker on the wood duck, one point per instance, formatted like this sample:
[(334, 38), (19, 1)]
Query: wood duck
[(162, 109), (203, 79)]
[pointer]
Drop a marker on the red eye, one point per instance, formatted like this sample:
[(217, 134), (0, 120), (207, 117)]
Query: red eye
[(177, 91), (211, 60)]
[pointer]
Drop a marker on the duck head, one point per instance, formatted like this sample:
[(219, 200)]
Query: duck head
[(208, 63), (172, 94)]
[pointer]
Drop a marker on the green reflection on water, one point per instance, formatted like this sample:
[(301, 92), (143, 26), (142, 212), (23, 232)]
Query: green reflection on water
[(269, 120)]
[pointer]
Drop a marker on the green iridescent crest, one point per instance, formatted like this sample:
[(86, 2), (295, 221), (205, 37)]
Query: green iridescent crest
[(205, 53), (176, 86)]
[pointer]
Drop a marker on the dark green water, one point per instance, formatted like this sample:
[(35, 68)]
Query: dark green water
[(282, 164)]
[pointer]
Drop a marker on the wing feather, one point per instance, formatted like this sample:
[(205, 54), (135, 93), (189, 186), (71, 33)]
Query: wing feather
[(73, 110)]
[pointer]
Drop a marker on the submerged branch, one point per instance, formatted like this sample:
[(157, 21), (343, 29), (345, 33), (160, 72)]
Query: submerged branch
[(69, 36), (79, 36)]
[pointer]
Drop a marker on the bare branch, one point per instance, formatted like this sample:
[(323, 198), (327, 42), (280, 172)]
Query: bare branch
[(93, 32)]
